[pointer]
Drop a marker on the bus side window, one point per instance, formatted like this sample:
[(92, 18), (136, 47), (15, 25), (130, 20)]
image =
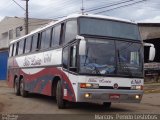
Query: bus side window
[(12, 54), (10, 50), (65, 57), (73, 58), (15, 47), (21, 47), (61, 41), (71, 30), (56, 36), (28, 45), (34, 42), (45, 39)]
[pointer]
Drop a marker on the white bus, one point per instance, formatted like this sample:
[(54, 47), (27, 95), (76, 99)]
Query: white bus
[(81, 58)]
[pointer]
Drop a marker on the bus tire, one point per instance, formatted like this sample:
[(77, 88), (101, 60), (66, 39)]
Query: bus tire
[(16, 87), (107, 105), (59, 96), (23, 92)]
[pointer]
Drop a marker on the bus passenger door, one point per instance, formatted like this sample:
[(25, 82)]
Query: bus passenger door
[(69, 61), (70, 66)]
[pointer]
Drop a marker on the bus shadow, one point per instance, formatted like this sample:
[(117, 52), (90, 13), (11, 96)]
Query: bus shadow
[(78, 106)]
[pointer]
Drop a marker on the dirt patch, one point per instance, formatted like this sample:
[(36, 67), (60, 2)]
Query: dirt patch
[(1, 107), (3, 84), (152, 88)]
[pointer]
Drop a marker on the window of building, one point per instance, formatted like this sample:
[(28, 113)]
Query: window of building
[(11, 34), (21, 47), (71, 31), (5, 35), (18, 32), (28, 45)]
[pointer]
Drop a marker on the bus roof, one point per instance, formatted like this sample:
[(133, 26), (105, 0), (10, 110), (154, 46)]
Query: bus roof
[(71, 17)]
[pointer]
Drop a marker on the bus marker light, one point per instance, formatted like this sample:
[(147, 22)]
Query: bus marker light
[(137, 96), (87, 95), (82, 85)]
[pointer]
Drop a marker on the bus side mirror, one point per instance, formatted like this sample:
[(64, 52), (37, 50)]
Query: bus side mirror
[(149, 52), (152, 53), (82, 45)]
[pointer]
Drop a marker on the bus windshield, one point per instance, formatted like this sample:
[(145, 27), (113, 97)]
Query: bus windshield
[(109, 28), (111, 57)]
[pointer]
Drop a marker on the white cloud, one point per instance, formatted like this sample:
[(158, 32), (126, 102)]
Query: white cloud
[(1, 18), (151, 20)]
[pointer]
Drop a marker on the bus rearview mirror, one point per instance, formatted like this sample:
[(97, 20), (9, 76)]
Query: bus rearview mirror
[(152, 53), (82, 45)]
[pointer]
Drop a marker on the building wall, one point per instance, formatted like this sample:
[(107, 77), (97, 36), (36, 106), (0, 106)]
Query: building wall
[(14, 27), (149, 30), (3, 64)]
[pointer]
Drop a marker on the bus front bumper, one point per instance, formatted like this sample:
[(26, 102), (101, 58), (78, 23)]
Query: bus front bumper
[(109, 95)]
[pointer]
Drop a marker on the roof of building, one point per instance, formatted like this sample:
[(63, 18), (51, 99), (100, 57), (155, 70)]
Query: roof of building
[(147, 24)]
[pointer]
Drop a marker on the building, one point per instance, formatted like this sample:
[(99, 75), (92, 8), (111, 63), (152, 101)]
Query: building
[(150, 33), (12, 28)]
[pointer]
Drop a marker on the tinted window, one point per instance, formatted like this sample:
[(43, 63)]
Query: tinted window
[(15, 47), (71, 31), (35, 42), (65, 57), (21, 47), (56, 37), (48, 37), (28, 45), (73, 61), (61, 41), (109, 28), (45, 39), (10, 50)]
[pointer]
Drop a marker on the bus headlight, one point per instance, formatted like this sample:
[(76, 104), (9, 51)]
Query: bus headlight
[(89, 85), (136, 87)]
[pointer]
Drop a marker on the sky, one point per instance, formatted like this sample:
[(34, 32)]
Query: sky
[(136, 10)]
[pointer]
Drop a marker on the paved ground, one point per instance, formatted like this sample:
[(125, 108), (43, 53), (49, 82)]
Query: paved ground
[(38, 104)]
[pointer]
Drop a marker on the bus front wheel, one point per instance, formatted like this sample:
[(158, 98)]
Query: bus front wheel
[(59, 96)]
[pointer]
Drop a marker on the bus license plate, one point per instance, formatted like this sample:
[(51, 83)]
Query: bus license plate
[(114, 96)]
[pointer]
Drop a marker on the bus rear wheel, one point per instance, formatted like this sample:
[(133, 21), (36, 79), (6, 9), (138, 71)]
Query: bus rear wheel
[(16, 87), (23, 92), (59, 96)]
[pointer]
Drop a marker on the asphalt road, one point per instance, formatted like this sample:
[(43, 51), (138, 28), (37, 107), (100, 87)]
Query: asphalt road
[(39, 104)]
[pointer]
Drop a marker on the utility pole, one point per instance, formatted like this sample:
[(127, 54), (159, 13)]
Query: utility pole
[(82, 9), (26, 18)]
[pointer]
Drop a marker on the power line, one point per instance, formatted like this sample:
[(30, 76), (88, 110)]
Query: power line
[(121, 6), (113, 4), (19, 5)]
